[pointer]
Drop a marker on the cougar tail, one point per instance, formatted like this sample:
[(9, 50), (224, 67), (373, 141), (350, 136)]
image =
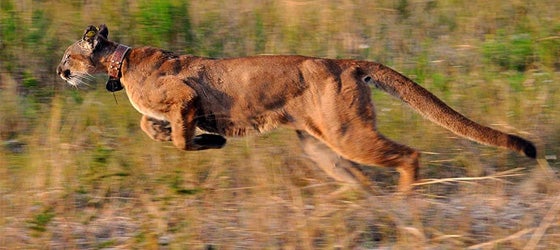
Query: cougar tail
[(438, 112)]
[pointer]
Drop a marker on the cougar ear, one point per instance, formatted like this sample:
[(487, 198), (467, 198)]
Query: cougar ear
[(93, 36), (103, 31)]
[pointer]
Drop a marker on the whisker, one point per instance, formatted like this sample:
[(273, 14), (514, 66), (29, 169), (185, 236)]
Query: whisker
[(79, 79), (72, 83), (76, 81), (83, 79), (89, 76), (86, 84)]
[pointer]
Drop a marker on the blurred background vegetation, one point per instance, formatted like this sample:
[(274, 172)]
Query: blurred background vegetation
[(77, 172)]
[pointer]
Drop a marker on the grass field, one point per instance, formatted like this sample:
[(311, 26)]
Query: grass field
[(76, 172)]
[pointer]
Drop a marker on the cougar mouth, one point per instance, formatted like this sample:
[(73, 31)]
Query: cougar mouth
[(75, 79)]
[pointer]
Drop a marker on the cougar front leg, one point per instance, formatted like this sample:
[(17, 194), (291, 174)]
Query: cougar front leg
[(158, 130), (183, 126)]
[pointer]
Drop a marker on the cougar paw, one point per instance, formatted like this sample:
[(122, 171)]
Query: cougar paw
[(208, 141)]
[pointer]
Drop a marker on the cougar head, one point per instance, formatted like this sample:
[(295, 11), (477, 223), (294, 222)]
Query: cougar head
[(83, 58)]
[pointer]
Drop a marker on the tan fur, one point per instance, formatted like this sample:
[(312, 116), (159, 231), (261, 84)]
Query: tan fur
[(328, 99)]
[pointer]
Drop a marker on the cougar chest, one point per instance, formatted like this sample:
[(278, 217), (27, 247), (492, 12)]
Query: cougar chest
[(145, 108)]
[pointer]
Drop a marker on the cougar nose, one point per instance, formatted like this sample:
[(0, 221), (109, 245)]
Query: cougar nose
[(63, 73), (66, 73)]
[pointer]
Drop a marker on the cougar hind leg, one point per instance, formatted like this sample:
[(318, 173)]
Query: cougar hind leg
[(367, 147), (330, 162), (383, 152), (335, 166)]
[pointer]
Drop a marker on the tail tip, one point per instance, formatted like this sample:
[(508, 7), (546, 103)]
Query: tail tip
[(525, 146), (530, 150)]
